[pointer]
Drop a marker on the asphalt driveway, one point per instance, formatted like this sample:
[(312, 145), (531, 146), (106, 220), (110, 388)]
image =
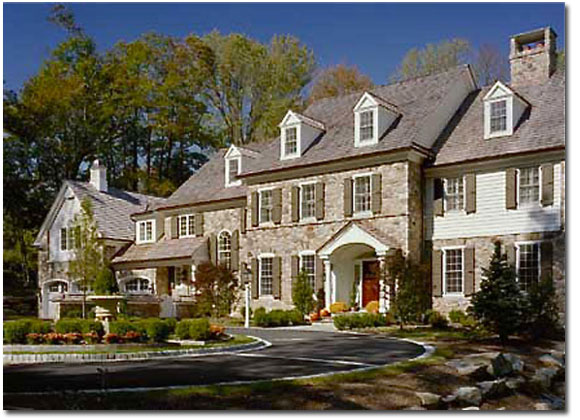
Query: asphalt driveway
[(293, 353)]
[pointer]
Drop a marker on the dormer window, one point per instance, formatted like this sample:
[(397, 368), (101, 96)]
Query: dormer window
[(233, 167), (503, 109), (297, 133), (145, 229), (373, 116)]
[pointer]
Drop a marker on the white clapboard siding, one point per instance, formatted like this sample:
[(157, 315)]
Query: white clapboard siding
[(491, 216)]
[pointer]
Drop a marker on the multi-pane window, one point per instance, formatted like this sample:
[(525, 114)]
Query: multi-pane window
[(498, 116), (225, 249), (366, 125), (307, 201), (145, 229), (291, 145), (529, 185), (70, 238), (137, 285), (454, 193), (528, 265), (266, 275), (58, 287), (454, 271), (186, 225), (233, 170), (307, 265), (362, 194), (266, 204)]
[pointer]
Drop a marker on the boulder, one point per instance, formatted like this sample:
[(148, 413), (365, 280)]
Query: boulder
[(544, 377), (500, 366), (467, 396), (515, 383), (494, 389), (476, 366), (542, 406), (556, 403), (516, 361), (429, 399), (550, 360)]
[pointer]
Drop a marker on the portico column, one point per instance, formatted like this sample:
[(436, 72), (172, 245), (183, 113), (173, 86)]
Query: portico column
[(328, 286), (383, 295)]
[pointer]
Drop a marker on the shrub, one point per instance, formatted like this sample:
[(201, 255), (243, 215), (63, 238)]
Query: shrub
[(359, 320), (171, 323), (73, 338), (372, 307), (34, 338), (261, 317), (295, 317), (15, 331), (111, 338), (278, 318), (132, 337), (53, 338), (105, 283), (89, 325), (193, 329), (320, 299), (91, 338), (456, 316), (155, 329), (542, 318), (302, 294), (216, 331), (69, 325), (217, 289), (438, 321), (338, 307), (123, 326)]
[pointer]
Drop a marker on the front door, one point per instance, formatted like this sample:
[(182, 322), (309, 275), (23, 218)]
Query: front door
[(370, 282)]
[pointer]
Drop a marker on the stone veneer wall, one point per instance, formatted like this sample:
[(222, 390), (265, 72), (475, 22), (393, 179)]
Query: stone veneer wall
[(484, 248), (290, 238)]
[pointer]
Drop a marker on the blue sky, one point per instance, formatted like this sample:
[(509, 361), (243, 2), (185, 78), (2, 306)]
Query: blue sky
[(374, 37)]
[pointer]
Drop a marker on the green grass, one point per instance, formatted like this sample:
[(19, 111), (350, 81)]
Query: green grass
[(236, 340)]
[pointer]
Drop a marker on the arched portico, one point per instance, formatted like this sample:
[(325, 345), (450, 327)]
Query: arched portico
[(52, 291), (354, 258)]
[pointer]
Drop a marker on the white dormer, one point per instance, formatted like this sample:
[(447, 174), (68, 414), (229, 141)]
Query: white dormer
[(297, 132), (372, 117), (502, 110), (233, 166)]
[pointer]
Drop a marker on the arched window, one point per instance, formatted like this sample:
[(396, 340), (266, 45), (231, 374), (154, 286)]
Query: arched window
[(137, 285), (58, 287), (225, 249)]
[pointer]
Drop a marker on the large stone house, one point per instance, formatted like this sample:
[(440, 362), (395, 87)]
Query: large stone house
[(435, 167)]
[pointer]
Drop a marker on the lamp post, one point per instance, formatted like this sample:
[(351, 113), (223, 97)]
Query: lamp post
[(247, 275)]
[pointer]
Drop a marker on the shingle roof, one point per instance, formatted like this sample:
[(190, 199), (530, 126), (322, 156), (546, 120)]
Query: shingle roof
[(543, 128), (195, 248), (112, 209), (208, 183), (415, 99)]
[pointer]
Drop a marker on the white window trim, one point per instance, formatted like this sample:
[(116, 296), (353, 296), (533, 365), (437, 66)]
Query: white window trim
[(260, 191), (520, 243), (260, 257), (457, 211), (237, 182), (283, 154), (218, 245), (300, 201), (538, 203), (140, 225), (186, 218), (302, 254), (365, 213), (449, 248), (375, 139), (509, 117)]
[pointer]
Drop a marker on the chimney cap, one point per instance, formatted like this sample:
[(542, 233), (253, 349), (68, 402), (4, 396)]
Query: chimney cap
[(533, 35)]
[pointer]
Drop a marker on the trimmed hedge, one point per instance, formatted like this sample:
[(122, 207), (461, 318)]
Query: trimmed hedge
[(15, 332), (359, 320), (193, 329), (278, 318), (78, 325)]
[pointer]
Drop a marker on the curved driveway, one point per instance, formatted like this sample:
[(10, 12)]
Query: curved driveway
[(293, 353)]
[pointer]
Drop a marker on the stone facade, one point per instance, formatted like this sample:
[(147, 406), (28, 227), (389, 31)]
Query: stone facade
[(532, 57)]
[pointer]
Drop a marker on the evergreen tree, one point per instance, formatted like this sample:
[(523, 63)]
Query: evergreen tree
[(499, 304), (302, 294)]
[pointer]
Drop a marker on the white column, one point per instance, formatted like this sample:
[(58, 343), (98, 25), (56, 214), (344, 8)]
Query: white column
[(327, 282), (383, 293), (247, 320)]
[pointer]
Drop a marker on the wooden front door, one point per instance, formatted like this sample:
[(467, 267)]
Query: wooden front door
[(370, 282)]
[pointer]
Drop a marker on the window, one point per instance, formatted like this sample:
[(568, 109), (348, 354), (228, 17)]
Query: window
[(362, 194), (529, 185), (307, 265), (58, 287), (70, 238), (307, 201), (266, 206), (137, 285), (454, 271), (232, 171), (454, 194), (186, 225), (366, 125), (291, 141), (225, 249), (528, 265), (498, 116), (145, 229), (266, 275)]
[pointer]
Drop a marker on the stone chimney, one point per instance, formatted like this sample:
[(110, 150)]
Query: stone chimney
[(532, 56), (99, 176)]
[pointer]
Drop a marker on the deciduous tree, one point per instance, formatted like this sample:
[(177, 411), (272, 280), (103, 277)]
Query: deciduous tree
[(339, 80)]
